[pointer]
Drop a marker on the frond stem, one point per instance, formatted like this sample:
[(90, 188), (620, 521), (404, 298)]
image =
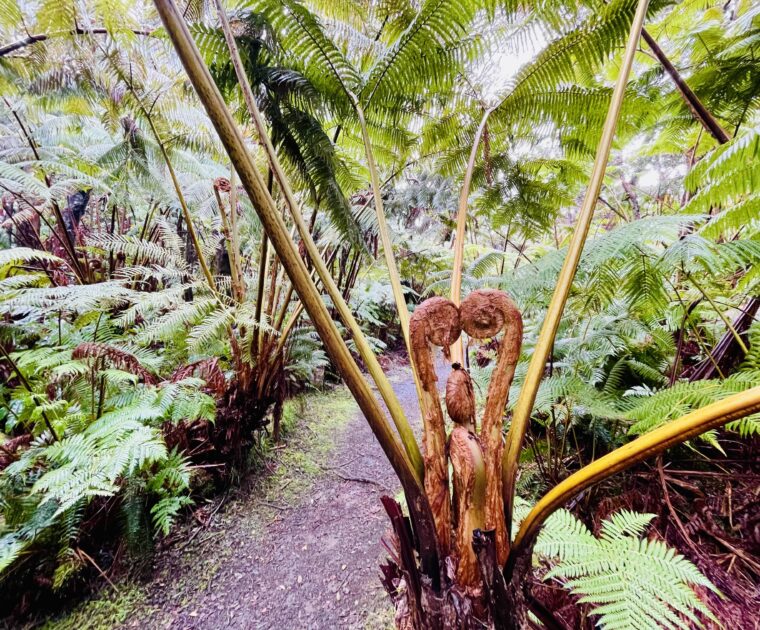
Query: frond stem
[(721, 314), (457, 353), (181, 197), (700, 112), (28, 388), (41, 37), (537, 366), (368, 356), (673, 433), (287, 252)]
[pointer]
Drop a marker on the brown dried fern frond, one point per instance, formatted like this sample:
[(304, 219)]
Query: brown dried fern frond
[(115, 357)]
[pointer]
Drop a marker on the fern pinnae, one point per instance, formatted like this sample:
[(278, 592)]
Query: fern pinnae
[(137, 249), (177, 320), (629, 581), (212, 327)]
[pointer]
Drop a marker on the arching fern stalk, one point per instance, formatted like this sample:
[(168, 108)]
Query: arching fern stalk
[(303, 284), (469, 573)]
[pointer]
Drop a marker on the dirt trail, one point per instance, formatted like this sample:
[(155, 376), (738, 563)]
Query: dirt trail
[(312, 564)]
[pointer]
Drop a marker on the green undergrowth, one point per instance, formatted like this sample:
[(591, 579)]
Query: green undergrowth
[(107, 610), (281, 474), (310, 426)]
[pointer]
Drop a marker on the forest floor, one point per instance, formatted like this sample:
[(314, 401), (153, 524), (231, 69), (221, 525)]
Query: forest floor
[(299, 548)]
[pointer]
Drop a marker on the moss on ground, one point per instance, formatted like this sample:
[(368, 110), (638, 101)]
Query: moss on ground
[(310, 426), (382, 618), (106, 609)]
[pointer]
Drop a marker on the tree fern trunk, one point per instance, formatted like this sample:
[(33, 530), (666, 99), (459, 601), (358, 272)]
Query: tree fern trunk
[(497, 604), (727, 353)]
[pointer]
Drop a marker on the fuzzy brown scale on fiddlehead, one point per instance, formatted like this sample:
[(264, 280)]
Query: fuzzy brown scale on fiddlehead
[(469, 501), (436, 322), (483, 314)]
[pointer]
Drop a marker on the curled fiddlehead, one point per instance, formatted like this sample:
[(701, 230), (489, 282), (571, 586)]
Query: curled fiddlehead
[(436, 322), (484, 314)]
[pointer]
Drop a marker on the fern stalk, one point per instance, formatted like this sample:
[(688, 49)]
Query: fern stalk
[(287, 252), (231, 247), (457, 353), (701, 113), (368, 356), (236, 233), (28, 388), (382, 228), (284, 309), (721, 314), (524, 406), (41, 37), (676, 432), (390, 260), (64, 238), (182, 203), (261, 282), (175, 182), (288, 329)]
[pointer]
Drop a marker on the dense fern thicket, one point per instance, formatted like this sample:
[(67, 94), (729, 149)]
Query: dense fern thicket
[(149, 335)]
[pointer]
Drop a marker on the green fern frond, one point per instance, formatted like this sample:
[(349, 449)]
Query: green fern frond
[(78, 299), (141, 251), (178, 320), (17, 256), (302, 35), (165, 512), (19, 180), (652, 411), (630, 582), (425, 52), (212, 328)]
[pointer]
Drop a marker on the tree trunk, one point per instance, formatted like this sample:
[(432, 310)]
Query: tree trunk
[(727, 353)]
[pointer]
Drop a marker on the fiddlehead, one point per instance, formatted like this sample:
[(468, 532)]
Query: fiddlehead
[(460, 397), (485, 313), (435, 321)]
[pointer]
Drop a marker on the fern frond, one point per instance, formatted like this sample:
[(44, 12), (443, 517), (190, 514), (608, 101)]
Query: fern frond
[(630, 582), (17, 256), (140, 251)]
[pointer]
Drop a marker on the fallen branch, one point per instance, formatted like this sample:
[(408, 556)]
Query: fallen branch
[(41, 37), (361, 480)]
